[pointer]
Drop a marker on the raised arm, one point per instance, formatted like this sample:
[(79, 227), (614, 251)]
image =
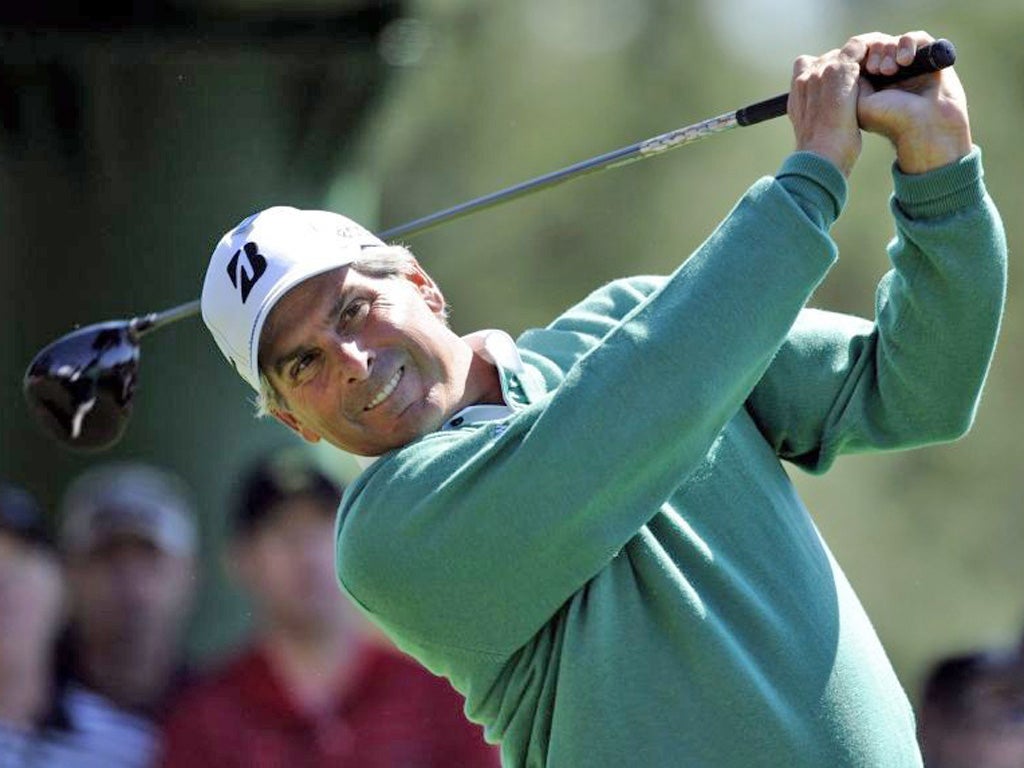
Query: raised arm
[(915, 374)]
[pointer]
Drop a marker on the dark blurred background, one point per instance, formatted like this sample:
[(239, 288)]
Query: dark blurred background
[(132, 135)]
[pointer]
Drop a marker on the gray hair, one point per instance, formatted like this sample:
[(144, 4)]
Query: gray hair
[(388, 262)]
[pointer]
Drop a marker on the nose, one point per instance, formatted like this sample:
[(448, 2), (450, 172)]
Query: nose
[(354, 361)]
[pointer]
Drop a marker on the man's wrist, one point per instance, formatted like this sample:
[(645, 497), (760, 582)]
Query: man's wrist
[(940, 191), (817, 181), (915, 154)]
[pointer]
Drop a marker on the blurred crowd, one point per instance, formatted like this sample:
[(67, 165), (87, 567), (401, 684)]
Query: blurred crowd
[(972, 710), (93, 670)]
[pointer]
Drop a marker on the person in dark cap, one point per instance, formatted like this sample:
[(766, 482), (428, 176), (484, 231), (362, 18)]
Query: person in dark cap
[(315, 686), (32, 727), (972, 710), (128, 539)]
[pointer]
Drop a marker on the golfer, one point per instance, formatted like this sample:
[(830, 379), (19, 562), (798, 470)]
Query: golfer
[(588, 530)]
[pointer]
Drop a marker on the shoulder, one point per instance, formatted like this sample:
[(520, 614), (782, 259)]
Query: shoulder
[(611, 301), (404, 488), (48, 747), (113, 735), (581, 327), (91, 711)]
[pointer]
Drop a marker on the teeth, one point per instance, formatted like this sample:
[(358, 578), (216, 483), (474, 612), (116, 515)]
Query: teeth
[(385, 392)]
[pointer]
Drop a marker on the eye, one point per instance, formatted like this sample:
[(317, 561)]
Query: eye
[(299, 369), (353, 311)]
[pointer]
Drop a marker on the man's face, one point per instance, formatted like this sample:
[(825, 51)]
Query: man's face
[(129, 592), (287, 565), (366, 363), (31, 595)]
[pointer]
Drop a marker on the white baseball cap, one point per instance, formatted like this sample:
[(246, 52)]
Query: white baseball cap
[(129, 498), (259, 261)]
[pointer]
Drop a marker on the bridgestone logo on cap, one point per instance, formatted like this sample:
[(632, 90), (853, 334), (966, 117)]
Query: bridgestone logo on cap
[(266, 255), (257, 264)]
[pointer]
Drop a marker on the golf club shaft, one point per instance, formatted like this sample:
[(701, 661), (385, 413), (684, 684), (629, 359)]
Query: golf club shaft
[(930, 58), (144, 324)]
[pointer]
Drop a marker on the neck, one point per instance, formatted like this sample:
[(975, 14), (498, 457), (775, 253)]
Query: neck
[(315, 665), (483, 384), (135, 676), (24, 692)]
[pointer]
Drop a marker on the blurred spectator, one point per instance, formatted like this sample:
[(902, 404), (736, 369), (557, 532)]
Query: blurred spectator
[(315, 688), (32, 727), (972, 711), (128, 539)]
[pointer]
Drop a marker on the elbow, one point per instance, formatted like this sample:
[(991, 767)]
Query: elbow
[(955, 419), (939, 421), (955, 428), (947, 426), (941, 408)]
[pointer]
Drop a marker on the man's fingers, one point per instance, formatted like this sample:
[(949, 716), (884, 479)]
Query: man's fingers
[(882, 58), (917, 38), (802, 64), (856, 47), (882, 54), (905, 50)]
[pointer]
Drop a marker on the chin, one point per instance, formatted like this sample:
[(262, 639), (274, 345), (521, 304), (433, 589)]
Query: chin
[(417, 421)]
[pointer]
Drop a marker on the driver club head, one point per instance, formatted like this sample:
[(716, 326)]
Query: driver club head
[(80, 386)]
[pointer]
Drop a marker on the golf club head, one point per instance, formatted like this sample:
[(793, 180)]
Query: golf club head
[(80, 387)]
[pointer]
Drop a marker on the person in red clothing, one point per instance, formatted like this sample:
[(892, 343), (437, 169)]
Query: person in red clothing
[(316, 687)]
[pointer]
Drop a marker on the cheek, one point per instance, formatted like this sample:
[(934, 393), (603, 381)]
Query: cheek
[(49, 598), (430, 338), (274, 571), (412, 318), (90, 588), (34, 601), (316, 404)]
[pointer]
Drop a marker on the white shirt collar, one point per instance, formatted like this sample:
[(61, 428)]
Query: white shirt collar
[(497, 347)]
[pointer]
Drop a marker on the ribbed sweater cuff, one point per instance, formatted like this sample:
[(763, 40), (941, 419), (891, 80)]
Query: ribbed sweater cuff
[(814, 181), (942, 191)]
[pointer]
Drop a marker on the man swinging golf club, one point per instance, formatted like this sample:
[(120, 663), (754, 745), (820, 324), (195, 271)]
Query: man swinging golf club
[(588, 530)]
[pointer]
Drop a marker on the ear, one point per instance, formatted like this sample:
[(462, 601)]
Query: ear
[(289, 420), (427, 288)]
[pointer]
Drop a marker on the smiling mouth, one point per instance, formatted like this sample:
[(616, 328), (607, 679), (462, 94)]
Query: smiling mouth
[(386, 390)]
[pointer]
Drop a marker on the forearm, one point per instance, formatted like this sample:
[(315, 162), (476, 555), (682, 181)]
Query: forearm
[(938, 311)]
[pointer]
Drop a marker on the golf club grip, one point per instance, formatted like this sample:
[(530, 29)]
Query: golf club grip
[(929, 58)]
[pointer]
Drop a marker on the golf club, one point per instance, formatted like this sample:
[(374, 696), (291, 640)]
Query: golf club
[(80, 387)]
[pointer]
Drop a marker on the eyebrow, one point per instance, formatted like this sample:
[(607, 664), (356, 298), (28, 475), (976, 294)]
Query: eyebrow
[(283, 361)]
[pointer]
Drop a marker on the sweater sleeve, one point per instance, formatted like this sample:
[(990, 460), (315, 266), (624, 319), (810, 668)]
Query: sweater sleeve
[(473, 539), (914, 376)]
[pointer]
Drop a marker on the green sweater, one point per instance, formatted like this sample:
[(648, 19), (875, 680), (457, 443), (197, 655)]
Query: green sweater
[(619, 572)]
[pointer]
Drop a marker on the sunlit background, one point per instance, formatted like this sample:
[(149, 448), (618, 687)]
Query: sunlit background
[(132, 137)]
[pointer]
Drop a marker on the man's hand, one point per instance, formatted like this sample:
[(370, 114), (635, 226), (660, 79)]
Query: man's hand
[(925, 118), (823, 106)]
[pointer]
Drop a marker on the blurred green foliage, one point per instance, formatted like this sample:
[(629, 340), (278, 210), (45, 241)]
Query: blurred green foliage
[(479, 95)]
